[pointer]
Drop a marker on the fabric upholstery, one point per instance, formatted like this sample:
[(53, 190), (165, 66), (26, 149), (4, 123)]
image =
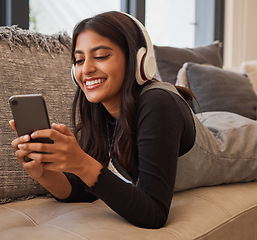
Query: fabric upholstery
[(171, 59), (219, 90), (29, 65), (224, 212)]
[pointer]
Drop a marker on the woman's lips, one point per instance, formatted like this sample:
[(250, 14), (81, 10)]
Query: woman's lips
[(93, 83)]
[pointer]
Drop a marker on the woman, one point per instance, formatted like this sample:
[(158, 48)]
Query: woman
[(128, 138)]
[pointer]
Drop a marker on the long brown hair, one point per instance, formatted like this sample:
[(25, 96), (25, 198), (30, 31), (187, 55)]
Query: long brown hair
[(92, 124), (91, 128)]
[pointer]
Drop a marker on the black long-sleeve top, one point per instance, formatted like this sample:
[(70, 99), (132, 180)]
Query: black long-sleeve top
[(165, 131)]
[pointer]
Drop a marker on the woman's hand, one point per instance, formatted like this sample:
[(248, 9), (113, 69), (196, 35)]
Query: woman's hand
[(33, 168), (64, 155)]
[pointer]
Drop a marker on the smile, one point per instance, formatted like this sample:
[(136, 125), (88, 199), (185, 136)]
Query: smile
[(94, 82)]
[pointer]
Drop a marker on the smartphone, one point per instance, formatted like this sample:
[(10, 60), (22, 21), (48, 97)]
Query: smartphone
[(30, 114)]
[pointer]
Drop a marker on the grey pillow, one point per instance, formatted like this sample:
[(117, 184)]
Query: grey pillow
[(171, 59), (220, 90), (225, 152)]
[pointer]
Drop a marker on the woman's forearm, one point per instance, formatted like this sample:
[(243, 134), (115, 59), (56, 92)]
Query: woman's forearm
[(60, 187), (56, 183)]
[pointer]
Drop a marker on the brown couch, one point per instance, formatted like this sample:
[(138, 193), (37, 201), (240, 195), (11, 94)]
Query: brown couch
[(36, 63)]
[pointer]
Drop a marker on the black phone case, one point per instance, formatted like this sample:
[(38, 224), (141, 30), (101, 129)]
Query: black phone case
[(30, 114)]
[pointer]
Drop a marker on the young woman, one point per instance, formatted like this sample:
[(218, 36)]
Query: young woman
[(128, 138)]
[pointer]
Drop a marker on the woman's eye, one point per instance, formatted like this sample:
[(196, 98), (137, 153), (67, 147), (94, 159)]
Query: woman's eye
[(79, 61), (102, 57)]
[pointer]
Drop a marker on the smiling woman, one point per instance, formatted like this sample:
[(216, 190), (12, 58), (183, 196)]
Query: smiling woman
[(136, 140)]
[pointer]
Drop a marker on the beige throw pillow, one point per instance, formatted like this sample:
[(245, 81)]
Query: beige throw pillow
[(250, 69)]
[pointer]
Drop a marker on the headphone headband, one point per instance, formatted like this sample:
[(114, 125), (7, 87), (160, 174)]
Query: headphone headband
[(146, 62)]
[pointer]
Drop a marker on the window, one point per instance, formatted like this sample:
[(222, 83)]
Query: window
[(49, 17), (184, 23), (171, 22)]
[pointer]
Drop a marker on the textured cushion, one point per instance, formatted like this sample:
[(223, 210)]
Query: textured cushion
[(220, 90), (30, 63), (170, 59), (224, 152), (250, 69), (225, 212)]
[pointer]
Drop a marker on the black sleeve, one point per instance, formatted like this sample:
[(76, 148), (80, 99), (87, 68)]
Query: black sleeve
[(161, 125)]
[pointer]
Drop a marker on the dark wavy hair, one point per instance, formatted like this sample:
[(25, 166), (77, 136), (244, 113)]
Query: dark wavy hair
[(91, 128)]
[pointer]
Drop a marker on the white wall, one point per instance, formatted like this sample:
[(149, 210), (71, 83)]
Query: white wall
[(240, 37)]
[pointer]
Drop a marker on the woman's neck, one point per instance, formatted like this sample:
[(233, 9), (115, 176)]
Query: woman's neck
[(113, 110)]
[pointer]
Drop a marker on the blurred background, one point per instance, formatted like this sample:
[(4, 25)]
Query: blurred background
[(176, 23)]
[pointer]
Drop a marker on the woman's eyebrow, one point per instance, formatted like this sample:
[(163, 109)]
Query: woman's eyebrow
[(101, 47), (94, 49), (78, 51)]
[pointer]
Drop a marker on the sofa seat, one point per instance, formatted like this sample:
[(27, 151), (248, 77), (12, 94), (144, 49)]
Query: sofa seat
[(220, 212)]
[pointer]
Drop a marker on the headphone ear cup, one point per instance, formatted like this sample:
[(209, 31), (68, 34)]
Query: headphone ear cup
[(149, 66), (140, 75), (73, 77)]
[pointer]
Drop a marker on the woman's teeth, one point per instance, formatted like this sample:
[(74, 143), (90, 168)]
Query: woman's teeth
[(93, 82)]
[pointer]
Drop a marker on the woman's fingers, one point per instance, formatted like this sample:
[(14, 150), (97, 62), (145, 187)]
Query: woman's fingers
[(20, 140), (41, 157), (20, 155), (62, 129), (52, 152), (56, 156), (38, 147), (55, 134), (33, 168)]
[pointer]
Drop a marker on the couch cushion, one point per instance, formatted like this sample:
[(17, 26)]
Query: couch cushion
[(223, 212), (30, 63), (171, 59), (219, 90)]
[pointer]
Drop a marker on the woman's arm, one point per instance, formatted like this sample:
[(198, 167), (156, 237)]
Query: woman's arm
[(56, 183), (47, 169), (161, 126)]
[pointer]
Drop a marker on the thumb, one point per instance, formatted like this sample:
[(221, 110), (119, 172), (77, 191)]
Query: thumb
[(62, 129), (12, 124)]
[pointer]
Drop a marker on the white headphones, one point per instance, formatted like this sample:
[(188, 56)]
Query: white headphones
[(146, 63)]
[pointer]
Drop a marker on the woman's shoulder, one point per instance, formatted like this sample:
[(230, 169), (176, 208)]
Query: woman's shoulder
[(158, 85), (158, 94), (162, 100)]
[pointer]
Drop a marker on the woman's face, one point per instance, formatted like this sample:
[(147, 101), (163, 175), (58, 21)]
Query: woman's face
[(100, 69)]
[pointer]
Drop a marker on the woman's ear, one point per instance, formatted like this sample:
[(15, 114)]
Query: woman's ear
[(73, 76)]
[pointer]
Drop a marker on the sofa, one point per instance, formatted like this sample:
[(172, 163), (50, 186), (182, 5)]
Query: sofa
[(37, 63)]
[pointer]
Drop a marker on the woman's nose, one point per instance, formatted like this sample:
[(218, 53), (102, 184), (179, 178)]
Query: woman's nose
[(88, 67)]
